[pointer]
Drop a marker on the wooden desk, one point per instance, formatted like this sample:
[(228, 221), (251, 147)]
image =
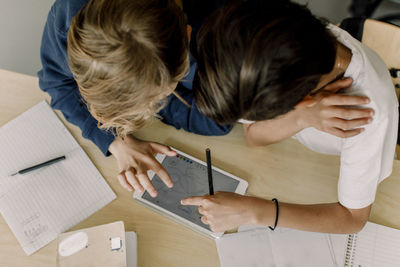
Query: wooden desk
[(286, 170)]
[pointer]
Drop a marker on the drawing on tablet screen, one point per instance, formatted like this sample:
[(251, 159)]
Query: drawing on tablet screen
[(187, 182), (190, 179)]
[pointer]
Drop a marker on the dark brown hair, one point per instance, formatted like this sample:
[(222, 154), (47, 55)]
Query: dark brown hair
[(125, 55), (259, 58)]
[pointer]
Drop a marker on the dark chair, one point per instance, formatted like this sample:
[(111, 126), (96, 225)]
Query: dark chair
[(366, 8)]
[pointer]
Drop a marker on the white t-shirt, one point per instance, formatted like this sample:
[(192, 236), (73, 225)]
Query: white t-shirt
[(365, 159)]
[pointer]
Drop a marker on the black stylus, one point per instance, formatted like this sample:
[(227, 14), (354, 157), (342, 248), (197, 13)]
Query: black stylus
[(209, 170)]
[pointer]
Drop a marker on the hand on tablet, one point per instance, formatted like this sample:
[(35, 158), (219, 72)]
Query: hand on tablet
[(223, 210), (135, 158)]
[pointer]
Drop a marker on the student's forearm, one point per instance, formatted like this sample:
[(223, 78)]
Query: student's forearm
[(272, 131), (329, 218)]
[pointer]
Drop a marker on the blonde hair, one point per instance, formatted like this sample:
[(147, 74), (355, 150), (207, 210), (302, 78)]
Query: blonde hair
[(125, 55)]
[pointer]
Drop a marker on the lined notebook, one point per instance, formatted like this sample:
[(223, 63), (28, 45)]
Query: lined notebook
[(41, 204), (260, 247), (374, 246)]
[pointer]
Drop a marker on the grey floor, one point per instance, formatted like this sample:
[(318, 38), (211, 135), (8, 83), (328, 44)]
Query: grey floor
[(22, 21)]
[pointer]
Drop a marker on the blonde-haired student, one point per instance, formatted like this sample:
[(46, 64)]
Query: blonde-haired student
[(110, 66)]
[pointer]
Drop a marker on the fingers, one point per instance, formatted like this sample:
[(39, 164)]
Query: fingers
[(346, 128), (139, 181), (194, 201), (340, 84), (149, 162), (197, 201), (132, 180), (135, 158), (345, 133), (146, 183), (156, 167), (204, 219), (124, 183), (351, 113), (349, 124), (345, 100), (158, 148), (205, 209), (202, 210)]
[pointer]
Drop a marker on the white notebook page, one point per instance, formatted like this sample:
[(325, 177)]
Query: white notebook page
[(301, 249), (250, 248), (41, 204), (377, 245), (257, 246)]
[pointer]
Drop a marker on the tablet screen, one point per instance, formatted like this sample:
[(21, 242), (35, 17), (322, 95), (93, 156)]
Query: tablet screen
[(190, 179)]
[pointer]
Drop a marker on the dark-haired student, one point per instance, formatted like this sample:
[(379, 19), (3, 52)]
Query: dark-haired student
[(262, 61)]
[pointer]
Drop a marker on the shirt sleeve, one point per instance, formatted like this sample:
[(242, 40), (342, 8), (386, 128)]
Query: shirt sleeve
[(177, 114), (366, 160), (56, 79), (190, 119)]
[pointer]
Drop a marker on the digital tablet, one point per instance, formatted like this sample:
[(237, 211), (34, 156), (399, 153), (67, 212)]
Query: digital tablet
[(190, 179)]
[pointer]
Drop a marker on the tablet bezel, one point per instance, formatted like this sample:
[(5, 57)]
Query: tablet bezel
[(240, 189)]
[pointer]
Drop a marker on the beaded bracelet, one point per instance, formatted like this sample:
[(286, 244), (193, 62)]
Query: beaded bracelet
[(277, 214)]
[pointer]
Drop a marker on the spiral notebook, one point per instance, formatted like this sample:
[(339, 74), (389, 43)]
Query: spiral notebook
[(374, 246), (43, 203)]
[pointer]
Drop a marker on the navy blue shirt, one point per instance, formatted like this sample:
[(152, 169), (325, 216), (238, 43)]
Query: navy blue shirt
[(56, 79)]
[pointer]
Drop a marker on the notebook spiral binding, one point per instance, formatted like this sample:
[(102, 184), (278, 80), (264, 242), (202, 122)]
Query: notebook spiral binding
[(350, 249)]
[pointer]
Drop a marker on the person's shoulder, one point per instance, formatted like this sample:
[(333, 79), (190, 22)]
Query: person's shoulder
[(63, 12), (369, 72)]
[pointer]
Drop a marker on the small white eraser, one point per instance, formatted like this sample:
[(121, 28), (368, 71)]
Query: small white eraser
[(116, 243), (72, 244)]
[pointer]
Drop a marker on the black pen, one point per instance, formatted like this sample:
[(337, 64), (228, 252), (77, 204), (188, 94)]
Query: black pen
[(40, 165), (210, 178)]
